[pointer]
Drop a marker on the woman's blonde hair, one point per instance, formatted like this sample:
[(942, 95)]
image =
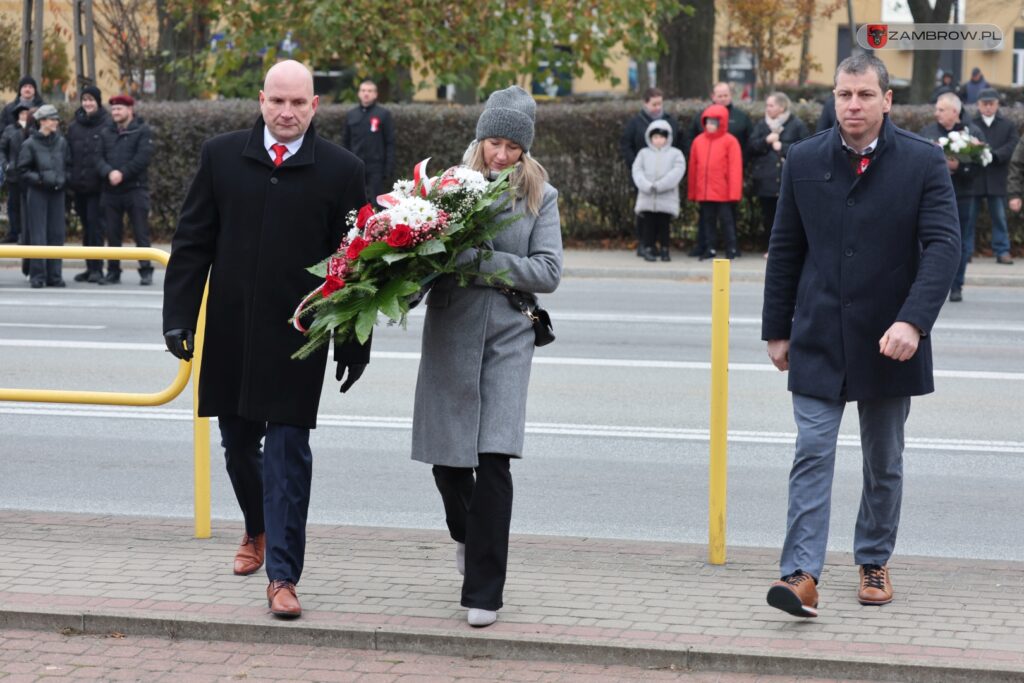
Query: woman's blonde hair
[(781, 99), (527, 180)]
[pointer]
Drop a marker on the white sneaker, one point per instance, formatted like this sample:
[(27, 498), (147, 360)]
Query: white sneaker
[(460, 557), (481, 617)]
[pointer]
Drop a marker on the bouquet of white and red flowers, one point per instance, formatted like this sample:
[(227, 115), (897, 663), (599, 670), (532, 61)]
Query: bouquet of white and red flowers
[(965, 148), (392, 254)]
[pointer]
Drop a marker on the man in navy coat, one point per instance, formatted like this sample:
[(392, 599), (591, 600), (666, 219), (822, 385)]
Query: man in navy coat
[(864, 247)]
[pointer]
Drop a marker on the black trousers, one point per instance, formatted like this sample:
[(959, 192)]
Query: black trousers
[(478, 511), (15, 196), (135, 203), (655, 228), (87, 206), (713, 214), (44, 226), (768, 207), (272, 487)]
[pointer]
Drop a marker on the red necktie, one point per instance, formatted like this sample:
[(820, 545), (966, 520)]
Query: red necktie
[(279, 151)]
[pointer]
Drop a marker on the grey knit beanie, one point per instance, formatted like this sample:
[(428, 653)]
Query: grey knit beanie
[(508, 114)]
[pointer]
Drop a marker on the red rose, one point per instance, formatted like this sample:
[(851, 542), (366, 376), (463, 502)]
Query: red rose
[(357, 245), (365, 214), (400, 236), (332, 284)]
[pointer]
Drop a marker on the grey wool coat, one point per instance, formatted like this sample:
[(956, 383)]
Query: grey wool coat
[(477, 349)]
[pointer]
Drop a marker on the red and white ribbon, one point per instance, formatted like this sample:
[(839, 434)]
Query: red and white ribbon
[(301, 307), (420, 177)]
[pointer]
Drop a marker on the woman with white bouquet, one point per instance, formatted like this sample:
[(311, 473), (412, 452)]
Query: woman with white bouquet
[(470, 411)]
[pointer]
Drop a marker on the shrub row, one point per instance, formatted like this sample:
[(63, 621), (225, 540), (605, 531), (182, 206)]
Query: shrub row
[(578, 143)]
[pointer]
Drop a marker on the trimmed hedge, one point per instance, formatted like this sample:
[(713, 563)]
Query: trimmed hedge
[(577, 143)]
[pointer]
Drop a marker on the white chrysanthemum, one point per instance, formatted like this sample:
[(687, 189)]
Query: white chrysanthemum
[(353, 233), (957, 145), (943, 142), (404, 187), (470, 179), (412, 211), (954, 135)]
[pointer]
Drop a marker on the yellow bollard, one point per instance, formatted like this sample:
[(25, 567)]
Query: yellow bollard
[(200, 434), (719, 410)]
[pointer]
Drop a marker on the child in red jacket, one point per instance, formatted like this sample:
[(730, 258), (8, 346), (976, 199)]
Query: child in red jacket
[(716, 178)]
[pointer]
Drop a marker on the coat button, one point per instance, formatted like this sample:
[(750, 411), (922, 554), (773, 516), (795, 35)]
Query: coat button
[(847, 303), (849, 252), (850, 202), (273, 181), (828, 175)]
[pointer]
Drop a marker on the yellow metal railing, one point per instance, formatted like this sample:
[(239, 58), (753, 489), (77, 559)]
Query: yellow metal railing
[(201, 425), (719, 410)]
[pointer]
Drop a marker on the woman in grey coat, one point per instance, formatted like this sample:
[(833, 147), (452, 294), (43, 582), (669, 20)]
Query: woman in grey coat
[(470, 411)]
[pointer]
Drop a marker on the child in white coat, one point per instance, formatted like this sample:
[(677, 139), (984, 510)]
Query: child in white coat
[(657, 172)]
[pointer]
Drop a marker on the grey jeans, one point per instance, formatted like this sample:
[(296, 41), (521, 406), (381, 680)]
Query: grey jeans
[(44, 225), (810, 481)]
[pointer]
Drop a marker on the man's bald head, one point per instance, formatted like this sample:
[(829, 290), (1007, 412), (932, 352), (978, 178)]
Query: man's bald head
[(287, 100)]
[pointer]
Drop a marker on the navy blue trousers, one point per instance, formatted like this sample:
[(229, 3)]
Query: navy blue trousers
[(272, 487)]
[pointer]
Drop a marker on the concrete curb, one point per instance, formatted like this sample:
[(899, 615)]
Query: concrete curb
[(478, 644)]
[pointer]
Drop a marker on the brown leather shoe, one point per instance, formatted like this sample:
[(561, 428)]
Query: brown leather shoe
[(1004, 259), (282, 600), (795, 594), (875, 585), (249, 557)]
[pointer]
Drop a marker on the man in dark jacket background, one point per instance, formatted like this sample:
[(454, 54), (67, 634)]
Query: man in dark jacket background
[(11, 140), (123, 163), (84, 177), (370, 135), (634, 139), (42, 165), (966, 179), (28, 97), (1002, 137), (264, 205), (864, 247)]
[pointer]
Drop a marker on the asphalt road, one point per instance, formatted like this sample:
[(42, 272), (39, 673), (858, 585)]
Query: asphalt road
[(617, 422)]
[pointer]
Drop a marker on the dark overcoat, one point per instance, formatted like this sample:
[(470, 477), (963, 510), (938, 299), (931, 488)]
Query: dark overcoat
[(86, 149), (255, 228), (967, 178), (850, 255), (764, 162), (1002, 137)]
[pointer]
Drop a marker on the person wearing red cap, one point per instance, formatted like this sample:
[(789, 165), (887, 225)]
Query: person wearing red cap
[(125, 152)]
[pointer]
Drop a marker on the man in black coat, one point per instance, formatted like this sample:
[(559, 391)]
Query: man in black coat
[(84, 178), (966, 177), (1002, 137), (634, 139), (123, 164), (28, 97), (11, 140), (864, 247), (264, 205), (370, 135)]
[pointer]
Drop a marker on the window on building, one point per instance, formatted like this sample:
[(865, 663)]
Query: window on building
[(1018, 57)]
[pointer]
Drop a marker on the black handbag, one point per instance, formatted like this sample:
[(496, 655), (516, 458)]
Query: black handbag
[(525, 303)]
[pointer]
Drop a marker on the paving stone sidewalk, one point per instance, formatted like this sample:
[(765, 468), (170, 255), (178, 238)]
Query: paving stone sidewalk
[(593, 601)]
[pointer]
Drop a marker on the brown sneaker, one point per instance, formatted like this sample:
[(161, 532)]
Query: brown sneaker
[(875, 585), (249, 557), (796, 594), (282, 600)]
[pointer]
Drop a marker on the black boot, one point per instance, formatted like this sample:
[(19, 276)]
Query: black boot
[(664, 254), (649, 254), (112, 277), (146, 277)]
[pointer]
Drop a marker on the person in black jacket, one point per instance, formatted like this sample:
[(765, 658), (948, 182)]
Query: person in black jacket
[(1002, 137), (370, 135), (965, 178), (11, 140), (84, 138), (126, 150), (634, 139), (265, 203), (768, 145), (28, 97), (43, 163)]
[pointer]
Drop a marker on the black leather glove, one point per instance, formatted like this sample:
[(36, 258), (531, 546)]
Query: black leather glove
[(181, 343), (355, 371)]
